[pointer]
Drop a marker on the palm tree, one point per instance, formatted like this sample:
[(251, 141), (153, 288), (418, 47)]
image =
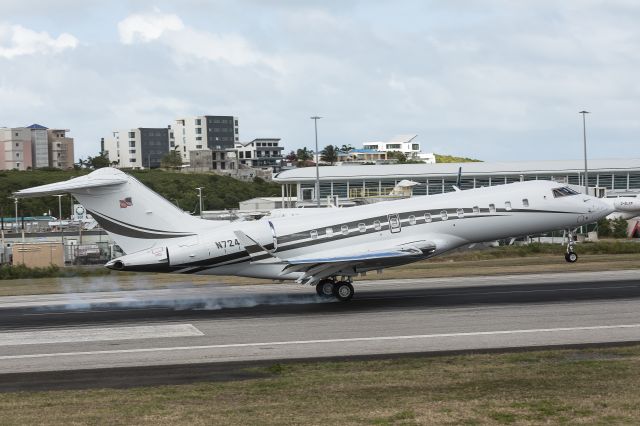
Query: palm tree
[(329, 154)]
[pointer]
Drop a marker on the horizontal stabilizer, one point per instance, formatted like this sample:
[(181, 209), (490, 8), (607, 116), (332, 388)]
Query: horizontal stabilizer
[(81, 183)]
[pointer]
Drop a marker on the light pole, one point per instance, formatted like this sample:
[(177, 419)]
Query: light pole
[(200, 198), (315, 119), (16, 202), (584, 139), (60, 217)]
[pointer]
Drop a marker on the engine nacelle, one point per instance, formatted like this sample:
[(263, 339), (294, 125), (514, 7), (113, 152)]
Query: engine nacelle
[(627, 204), (185, 254), (150, 260)]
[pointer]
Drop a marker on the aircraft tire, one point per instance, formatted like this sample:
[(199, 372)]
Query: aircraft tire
[(571, 257), (343, 291), (325, 288)]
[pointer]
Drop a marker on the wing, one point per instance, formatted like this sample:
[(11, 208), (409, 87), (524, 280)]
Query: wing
[(320, 265)]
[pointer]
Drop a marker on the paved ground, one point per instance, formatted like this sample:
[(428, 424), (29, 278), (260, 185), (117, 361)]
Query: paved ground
[(125, 334)]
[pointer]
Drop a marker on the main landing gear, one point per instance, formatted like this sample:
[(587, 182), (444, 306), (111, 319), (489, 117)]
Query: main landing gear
[(570, 256), (341, 290)]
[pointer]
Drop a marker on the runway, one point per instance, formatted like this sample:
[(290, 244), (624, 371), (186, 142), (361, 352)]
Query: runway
[(217, 325)]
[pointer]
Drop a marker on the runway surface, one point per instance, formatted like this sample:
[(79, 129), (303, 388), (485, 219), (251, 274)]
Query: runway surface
[(217, 326)]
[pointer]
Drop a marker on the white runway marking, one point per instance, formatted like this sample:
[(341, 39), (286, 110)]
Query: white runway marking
[(70, 335), (307, 342)]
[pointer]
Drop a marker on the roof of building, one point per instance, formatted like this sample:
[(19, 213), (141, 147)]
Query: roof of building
[(269, 199), (440, 169), (35, 126), (403, 138), (397, 139)]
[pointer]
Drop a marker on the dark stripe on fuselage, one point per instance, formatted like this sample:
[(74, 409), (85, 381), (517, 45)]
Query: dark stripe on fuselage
[(137, 227), (123, 230)]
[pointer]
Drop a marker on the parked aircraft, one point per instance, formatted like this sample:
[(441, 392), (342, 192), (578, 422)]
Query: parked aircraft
[(326, 248), (625, 206)]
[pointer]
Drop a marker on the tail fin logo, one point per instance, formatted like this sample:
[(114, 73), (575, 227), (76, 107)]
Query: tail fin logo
[(126, 203)]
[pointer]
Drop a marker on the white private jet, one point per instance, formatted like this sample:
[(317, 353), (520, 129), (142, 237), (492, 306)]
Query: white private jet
[(625, 206), (328, 247)]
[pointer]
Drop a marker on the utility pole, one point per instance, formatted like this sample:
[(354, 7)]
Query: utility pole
[(60, 217), (315, 119), (584, 139), (200, 199)]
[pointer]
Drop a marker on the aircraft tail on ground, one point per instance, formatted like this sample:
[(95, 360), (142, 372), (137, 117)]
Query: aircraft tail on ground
[(136, 217)]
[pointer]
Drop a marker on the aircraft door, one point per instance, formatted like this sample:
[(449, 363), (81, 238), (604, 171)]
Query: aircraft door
[(394, 223)]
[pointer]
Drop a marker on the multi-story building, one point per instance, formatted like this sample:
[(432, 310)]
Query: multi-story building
[(15, 148), (213, 132), (35, 146), (400, 143), (39, 146), (138, 148), (218, 160), (262, 152), (60, 148)]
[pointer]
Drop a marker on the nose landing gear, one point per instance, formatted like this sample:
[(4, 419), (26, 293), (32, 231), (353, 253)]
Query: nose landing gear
[(570, 256)]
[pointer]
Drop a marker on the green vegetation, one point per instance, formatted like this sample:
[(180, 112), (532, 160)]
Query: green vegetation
[(401, 158), (220, 192), (616, 228), (537, 249), (99, 161), (329, 154), (440, 158), (583, 386), (14, 272), (171, 160)]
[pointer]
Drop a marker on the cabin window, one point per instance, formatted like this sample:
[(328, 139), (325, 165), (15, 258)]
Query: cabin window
[(564, 192), (412, 220), (507, 205), (460, 213), (344, 229), (328, 232), (476, 210), (444, 215), (525, 202), (314, 234), (492, 208), (376, 225), (362, 227), (427, 217)]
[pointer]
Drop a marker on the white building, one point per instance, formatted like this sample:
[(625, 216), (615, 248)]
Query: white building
[(138, 148), (261, 152), (214, 132), (402, 143)]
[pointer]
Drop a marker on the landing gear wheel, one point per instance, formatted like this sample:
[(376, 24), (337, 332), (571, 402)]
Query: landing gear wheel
[(343, 291), (325, 288), (571, 257)]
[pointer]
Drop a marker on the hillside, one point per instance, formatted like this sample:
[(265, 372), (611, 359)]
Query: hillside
[(440, 158), (220, 192)]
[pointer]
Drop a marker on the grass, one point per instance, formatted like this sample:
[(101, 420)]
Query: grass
[(593, 386), (15, 272)]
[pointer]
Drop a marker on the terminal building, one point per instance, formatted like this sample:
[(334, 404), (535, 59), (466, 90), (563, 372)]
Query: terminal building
[(608, 177)]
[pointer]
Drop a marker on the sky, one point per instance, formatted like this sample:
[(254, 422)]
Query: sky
[(497, 80)]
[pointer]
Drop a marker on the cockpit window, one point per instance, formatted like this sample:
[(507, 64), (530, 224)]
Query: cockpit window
[(565, 191)]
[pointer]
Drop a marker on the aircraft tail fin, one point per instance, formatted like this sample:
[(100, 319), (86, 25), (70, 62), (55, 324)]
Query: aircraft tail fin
[(136, 217)]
